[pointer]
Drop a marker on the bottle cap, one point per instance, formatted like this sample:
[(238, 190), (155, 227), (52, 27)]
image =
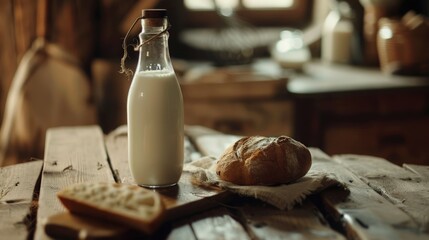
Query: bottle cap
[(154, 13)]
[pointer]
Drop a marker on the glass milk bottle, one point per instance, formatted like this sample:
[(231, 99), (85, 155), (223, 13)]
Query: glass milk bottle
[(155, 109)]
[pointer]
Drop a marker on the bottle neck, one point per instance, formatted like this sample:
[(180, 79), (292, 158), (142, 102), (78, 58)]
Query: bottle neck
[(154, 53)]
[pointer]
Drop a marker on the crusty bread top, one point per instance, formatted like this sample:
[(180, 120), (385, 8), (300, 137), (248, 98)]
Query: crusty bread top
[(260, 160)]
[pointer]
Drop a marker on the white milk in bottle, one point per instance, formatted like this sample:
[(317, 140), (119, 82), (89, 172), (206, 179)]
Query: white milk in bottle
[(155, 110)]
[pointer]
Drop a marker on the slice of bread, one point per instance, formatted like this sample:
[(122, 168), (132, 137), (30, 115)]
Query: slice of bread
[(129, 205)]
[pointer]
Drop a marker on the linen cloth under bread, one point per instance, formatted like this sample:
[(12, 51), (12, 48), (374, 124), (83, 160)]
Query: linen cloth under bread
[(284, 196)]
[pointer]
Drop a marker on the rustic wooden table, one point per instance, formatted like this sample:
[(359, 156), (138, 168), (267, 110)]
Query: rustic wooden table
[(383, 201)]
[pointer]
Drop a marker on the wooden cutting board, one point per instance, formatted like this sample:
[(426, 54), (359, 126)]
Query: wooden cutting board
[(180, 201), (187, 198), (184, 199)]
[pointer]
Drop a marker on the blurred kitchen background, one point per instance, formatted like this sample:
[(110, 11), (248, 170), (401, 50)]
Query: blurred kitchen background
[(347, 76)]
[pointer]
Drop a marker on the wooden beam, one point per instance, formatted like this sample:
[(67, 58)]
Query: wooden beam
[(72, 155), (404, 189), (364, 213), (17, 185)]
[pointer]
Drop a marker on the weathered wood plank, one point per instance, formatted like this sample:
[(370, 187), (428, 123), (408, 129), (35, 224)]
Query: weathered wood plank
[(184, 232), (181, 231), (117, 150), (218, 224), (72, 155), (422, 171), (304, 222), (17, 183), (363, 212), (210, 142), (405, 189)]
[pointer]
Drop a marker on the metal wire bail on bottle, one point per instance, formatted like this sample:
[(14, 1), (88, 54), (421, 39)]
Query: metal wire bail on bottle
[(128, 72)]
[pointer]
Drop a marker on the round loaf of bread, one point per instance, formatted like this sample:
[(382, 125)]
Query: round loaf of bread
[(260, 160)]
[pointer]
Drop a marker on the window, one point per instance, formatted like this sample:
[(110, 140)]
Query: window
[(249, 4), (267, 4), (209, 4), (290, 13)]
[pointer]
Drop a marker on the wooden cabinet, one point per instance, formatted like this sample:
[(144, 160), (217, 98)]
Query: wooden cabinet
[(387, 116), (394, 126), (395, 140)]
